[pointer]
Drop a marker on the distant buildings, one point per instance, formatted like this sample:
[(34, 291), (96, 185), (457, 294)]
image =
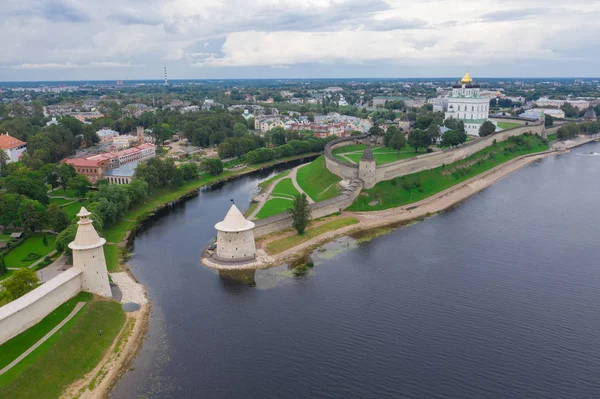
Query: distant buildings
[(95, 167), (13, 147), (84, 116), (106, 135), (52, 122), (546, 102), (536, 113), (440, 104), (466, 104)]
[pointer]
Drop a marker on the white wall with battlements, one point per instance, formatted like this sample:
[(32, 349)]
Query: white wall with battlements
[(28, 310)]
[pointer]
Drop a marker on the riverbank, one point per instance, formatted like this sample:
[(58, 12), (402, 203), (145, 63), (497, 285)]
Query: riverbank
[(400, 215)]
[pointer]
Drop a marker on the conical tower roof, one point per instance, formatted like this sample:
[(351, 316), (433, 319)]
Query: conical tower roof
[(367, 154), (86, 237), (234, 221), (466, 79), (590, 114)]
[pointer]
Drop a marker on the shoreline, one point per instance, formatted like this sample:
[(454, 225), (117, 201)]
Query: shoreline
[(403, 215)]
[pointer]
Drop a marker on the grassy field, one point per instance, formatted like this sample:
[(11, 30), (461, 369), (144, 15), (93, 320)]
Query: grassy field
[(112, 254), (14, 347), (69, 193), (277, 246), (274, 206), (6, 275), (411, 188), (66, 356), (382, 155), (265, 184), (508, 125), (73, 209), (317, 181), (4, 237), (285, 188), (33, 244), (60, 201)]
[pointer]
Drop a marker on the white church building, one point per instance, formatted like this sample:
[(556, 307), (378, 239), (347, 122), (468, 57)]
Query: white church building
[(467, 105)]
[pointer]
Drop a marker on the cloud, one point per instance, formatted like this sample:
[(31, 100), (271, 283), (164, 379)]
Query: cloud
[(513, 15), (130, 19), (68, 65), (61, 11)]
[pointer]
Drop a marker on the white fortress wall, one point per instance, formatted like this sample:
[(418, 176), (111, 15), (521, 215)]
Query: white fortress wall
[(28, 310)]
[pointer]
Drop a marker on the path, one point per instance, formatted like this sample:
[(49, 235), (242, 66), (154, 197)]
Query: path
[(41, 341), (263, 198), (53, 269)]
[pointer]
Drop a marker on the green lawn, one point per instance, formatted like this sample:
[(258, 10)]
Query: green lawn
[(69, 193), (34, 244), (6, 275), (277, 246), (415, 187), (285, 188), (4, 237), (73, 209), (382, 155), (15, 347), (112, 254), (265, 184), (65, 358), (508, 125), (317, 181), (60, 201), (274, 206)]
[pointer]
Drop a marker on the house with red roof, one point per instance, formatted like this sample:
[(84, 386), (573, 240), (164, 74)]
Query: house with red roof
[(13, 147)]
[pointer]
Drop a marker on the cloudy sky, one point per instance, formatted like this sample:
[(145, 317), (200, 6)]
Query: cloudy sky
[(197, 39)]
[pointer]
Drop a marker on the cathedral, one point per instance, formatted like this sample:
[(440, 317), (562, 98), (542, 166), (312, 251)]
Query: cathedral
[(467, 105)]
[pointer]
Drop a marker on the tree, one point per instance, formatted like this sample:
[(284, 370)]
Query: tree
[(56, 218), (31, 214), (300, 212), (417, 138), (548, 120), (397, 142), (311, 117), (240, 130), (213, 166), (45, 240), (250, 123), (277, 136), (189, 170), (487, 128), (433, 132), (65, 172), (376, 131), (20, 283), (3, 162), (50, 172), (80, 184), (452, 138), (3, 269)]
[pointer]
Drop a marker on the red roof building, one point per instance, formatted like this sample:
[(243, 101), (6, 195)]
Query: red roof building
[(13, 147)]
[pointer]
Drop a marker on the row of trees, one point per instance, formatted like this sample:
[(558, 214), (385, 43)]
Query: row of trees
[(573, 129)]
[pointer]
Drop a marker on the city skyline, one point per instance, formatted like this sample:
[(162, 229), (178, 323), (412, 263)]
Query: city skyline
[(72, 40)]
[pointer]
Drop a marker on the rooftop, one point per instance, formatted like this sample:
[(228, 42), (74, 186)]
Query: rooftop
[(126, 170), (8, 142), (234, 221), (367, 154)]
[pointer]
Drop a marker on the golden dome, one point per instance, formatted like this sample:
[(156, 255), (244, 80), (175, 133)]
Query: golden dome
[(466, 79)]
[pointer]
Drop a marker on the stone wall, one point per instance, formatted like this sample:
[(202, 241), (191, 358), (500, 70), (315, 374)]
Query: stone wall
[(448, 156), (23, 313), (319, 209), (343, 169)]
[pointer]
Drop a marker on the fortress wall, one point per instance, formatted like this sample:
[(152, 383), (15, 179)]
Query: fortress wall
[(448, 156), (23, 313), (319, 209), (343, 169)]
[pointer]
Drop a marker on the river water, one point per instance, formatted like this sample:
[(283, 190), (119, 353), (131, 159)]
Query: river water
[(498, 297)]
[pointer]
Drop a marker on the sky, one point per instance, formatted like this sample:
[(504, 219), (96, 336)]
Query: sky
[(213, 39)]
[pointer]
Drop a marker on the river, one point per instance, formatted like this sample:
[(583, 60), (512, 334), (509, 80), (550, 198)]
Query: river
[(498, 297)]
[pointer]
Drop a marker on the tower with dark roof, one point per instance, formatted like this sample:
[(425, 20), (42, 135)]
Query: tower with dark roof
[(590, 114), (367, 168)]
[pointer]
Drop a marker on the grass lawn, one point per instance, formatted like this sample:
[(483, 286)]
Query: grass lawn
[(112, 254), (6, 275), (73, 209), (65, 358), (4, 237), (285, 188), (69, 193), (274, 206), (265, 184), (277, 246), (14, 347), (552, 137), (33, 244), (382, 155), (415, 187), (317, 181), (60, 201), (508, 125)]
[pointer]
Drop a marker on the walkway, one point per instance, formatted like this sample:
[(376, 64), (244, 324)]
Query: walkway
[(53, 269), (263, 198), (44, 339)]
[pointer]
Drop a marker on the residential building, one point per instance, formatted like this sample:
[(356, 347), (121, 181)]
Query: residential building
[(52, 122), (106, 135), (546, 102), (14, 148), (122, 174), (537, 113), (440, 104), (466, 104), (84, 116)]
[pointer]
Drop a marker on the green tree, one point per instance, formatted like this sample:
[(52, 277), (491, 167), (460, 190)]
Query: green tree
[(189, 170), (397, 142), (31, 215), (65, 173), (311, 117), (433, 132), (56, 218), (213, 166), (240, 130), (417, 138), (250, 123), (3, 162), (376, 131), (45, 240), (277, 136), (20, 283), (548, 120), (300, 212), (3, 269), (80, 184), (487, 128)]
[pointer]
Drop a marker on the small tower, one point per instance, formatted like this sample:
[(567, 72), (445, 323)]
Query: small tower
[(367, 168), (88, 255), (590, 114), (235, 238), (140, 135)]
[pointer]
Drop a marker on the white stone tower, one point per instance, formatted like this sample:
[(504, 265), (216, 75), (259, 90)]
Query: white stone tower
[(88, 256), (367, 168), (235, 238)]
